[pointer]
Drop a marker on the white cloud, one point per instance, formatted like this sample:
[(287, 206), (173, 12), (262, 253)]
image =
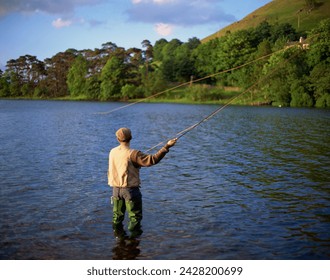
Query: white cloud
[(164, 29), (60, 23)]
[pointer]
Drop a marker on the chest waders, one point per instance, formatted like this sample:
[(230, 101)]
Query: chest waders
[(130, 200)]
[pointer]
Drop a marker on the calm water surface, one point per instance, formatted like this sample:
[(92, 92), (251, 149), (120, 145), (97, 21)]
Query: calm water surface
[(251, 183)]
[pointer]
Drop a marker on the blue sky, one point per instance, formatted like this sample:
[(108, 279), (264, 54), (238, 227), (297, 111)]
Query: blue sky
[(46, 27)]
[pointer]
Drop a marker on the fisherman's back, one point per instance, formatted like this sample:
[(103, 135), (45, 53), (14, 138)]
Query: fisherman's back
[(122, 172)]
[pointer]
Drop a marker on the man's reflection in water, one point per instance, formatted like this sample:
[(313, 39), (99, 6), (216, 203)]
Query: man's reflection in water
[(126, 247)]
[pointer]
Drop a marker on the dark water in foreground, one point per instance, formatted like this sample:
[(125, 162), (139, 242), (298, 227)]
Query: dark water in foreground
[(251, 183)]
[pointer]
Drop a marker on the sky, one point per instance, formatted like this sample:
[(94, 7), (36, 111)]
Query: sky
[(45, 27)]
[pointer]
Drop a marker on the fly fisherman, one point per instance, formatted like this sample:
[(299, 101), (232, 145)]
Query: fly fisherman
[(124, 178)]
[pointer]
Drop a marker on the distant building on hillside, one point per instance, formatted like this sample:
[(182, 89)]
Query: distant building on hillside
[(304, 45), (301, 44)]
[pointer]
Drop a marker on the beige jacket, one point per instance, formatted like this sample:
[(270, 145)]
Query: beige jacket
[(125, 164)]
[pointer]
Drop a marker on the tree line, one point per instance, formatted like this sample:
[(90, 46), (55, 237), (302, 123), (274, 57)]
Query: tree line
[(298, 75)]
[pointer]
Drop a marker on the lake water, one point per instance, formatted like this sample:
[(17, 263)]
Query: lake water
[(251, 183)]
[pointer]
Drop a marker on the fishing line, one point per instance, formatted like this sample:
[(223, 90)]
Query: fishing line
[(219, 109), (188, 83), (201, 79)]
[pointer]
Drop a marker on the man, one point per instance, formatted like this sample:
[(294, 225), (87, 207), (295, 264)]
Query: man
[(124, 178)]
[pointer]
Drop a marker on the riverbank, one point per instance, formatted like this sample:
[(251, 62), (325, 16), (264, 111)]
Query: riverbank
[(199, 95), (151, 100)]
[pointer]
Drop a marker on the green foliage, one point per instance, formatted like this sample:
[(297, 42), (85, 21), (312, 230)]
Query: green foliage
[(158, 49), (300, 97), (319, 50), (4, 85), (284, 30), (154, 83), (323, 101), (76, 78), (128, 91), (206, 57), (202, 93), (15, 85), (93, 88), (41, 90), (112, 79), (320, 84)]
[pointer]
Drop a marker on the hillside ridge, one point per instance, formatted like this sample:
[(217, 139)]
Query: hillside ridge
[(298, 13)]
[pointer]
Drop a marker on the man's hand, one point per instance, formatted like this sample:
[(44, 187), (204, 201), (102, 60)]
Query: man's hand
[(171, 142)]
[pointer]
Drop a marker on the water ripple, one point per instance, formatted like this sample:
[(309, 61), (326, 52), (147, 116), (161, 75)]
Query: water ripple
[(251, 183)]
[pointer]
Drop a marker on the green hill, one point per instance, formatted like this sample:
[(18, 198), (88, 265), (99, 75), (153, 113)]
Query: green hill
[(301, 15)]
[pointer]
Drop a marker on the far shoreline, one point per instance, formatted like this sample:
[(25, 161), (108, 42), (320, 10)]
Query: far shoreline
[(223, 102)]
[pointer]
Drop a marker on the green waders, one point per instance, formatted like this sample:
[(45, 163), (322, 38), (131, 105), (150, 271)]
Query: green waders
[(118, 211), (134, 210), (129, 199)]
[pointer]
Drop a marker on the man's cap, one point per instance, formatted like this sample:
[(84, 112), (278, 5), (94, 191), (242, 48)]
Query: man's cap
[(124, 134)]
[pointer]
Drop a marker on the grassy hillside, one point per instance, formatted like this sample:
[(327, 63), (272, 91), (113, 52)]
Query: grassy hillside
[(295, 12)]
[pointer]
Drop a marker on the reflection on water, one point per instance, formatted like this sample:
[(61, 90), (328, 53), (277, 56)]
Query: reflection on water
[(251, 183), (126, 247)]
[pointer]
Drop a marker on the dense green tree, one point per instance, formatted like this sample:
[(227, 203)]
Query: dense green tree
[(320, 84), (156, 83), (4, 84), (318, 57), (113, 77), (168, 63), (193, 43), (41, 90), (93, 87), (230, 51), (262, 32), (276, 86), (24, 74), (300, 97), (253, 72), (158, 49), (134, 63), (147, 51), (77, 75), (147, 57), (206, 57), (175, 59), (319, 44), (283, 30), (236, 48), (183, 62)]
